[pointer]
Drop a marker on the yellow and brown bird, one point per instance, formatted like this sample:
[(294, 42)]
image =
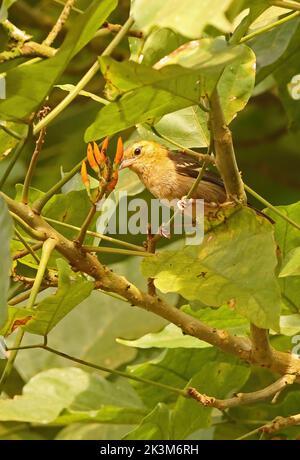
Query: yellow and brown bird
[(170, 175)]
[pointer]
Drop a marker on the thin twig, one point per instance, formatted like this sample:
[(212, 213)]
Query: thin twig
[(85, 79), (59, 23), (25, 252), (85, 226), (178, 391), (38, 147), (105, 250), (268, 27), (48, 247), (15, 156), (29, 249), (271, 206), (135, 247), (241, 399)]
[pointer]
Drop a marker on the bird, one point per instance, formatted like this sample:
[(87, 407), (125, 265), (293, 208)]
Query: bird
[(170, 175)]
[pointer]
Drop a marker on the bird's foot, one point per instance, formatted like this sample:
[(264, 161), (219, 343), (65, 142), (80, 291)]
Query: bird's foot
[(184, 203), (164, 230)]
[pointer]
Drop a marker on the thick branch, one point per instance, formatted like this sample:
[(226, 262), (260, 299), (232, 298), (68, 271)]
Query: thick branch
[(282, 363), (224, 151), (243, 398), (261, 351)]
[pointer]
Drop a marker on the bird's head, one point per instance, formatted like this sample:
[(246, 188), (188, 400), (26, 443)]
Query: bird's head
[(141, 154)]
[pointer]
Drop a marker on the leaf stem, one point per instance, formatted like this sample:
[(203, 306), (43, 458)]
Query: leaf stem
[(98, 235), (10, 132), (106, 250), (31, 231), (14, 159), (47, 249), (178, 391), (269, 26), (290, 5), (85, 79), (270, 206), (27, 246), (40, 203)]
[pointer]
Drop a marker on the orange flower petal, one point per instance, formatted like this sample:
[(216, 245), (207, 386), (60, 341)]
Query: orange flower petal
[(91, 158), (120, 152), (104, 146), (99, 154), (113, 181)]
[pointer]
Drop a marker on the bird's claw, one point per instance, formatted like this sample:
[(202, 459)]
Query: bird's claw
[(184, 203), (164, 230)]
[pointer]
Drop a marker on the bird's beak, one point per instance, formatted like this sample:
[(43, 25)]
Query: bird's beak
[(126, 163)]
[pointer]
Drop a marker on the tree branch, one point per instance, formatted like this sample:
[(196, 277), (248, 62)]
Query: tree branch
[(243, 398), (225, 157), (282, 363), (59, 23)]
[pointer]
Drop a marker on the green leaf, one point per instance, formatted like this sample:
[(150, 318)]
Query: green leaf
[(172, 337), (47, 394), (288, 239), (92, 328), (269, 46), (236, 84), (154, 426), (8, 142), (6, 232), (21, 100), (234, 264), (217, 379), (72, 289), (16, 317), (291, 264), (155, 46), (187, 127), (147, 93), (183, 16)]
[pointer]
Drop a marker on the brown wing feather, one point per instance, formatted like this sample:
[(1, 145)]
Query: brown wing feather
[(189, 166)]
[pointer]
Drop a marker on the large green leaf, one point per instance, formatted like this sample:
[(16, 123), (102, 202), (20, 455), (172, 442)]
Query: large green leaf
[(172, 336), (154, 426), (269, 46), (176, 83), (6, 231), (184, 16), (235, 264), (47, 394), (291, 265), (21, 100), (92, 328)]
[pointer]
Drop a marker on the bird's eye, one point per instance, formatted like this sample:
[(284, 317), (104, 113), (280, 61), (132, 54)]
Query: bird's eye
[(137, 151)]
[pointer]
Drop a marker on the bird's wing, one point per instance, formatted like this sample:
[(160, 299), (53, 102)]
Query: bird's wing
[(189, 166)]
